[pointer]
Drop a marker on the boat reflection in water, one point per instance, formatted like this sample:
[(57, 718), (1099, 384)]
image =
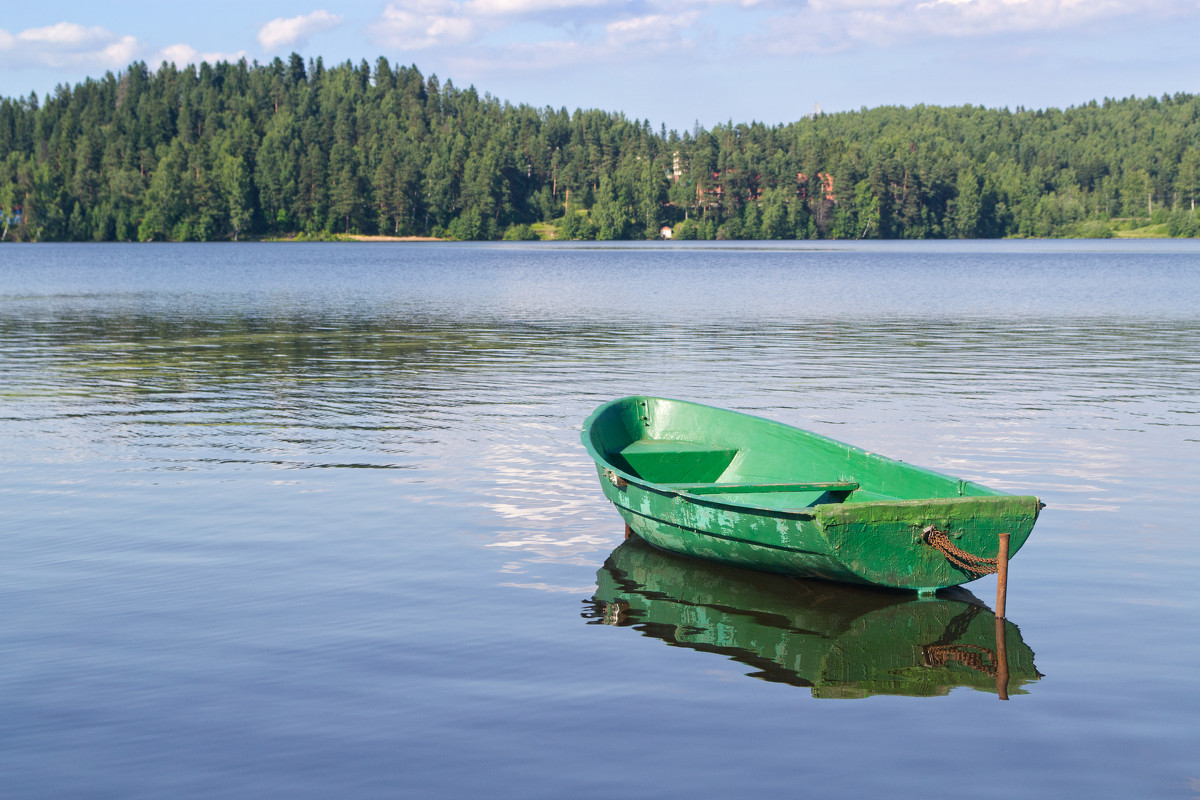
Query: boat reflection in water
[(842, 641)]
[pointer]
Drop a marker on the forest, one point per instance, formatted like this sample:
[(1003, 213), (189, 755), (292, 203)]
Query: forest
[(229, 151)]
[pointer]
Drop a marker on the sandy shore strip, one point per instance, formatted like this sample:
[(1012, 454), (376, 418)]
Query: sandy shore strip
[(359, 238)]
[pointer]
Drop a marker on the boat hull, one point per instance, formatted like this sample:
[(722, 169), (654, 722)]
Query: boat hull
[(877, 540)]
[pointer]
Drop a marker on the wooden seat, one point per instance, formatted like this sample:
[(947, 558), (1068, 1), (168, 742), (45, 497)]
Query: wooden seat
[(661, 460)]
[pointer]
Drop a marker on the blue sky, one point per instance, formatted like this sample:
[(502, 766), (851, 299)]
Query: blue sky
[(669, 61)]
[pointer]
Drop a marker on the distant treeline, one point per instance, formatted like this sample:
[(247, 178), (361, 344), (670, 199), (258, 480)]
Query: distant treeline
[(232, 150)]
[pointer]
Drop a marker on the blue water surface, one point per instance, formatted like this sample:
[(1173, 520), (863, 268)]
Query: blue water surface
[(313, 520)]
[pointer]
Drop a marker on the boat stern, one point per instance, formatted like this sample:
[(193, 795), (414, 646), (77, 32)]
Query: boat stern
[(926, 544)]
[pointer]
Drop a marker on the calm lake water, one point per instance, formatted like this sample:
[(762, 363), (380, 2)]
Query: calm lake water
[(310, 520)]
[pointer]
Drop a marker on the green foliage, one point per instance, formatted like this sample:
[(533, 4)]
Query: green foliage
[(1094, 229), (613, 212), (520, 233), (316, 236), (1184, 222), (576, 224), (686, 230), (224, 151)]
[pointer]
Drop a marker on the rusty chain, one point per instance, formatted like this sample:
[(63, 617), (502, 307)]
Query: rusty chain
[(965, 561)]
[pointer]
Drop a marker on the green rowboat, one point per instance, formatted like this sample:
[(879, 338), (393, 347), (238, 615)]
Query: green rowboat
[(840, 641), (746, 491)]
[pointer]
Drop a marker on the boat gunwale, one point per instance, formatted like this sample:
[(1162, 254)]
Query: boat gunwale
[(805, 512)]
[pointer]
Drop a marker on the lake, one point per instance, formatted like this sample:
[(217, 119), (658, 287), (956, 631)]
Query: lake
[(313, 520)]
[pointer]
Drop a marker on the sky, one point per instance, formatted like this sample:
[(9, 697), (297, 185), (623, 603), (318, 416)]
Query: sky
[(672, 62)]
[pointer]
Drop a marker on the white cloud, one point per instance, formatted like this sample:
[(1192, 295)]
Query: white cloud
[(742, 3), (65, 34), (424, 23), (514, 7), (282, 32), (122, 51), (71, 46), (652, 27), (605, 29), (824, 25), (627, 40), (67, 44), (974, 17), (182, 54), (177, 54)]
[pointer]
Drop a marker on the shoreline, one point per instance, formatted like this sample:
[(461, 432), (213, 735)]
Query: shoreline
[(341, 237), (1135, 234), (357, 237)]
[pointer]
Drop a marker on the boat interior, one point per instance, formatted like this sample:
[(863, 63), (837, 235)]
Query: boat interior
[(702, 469), (752, 461)]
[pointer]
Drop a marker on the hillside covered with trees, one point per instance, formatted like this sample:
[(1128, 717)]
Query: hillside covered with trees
[(234, 150)]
